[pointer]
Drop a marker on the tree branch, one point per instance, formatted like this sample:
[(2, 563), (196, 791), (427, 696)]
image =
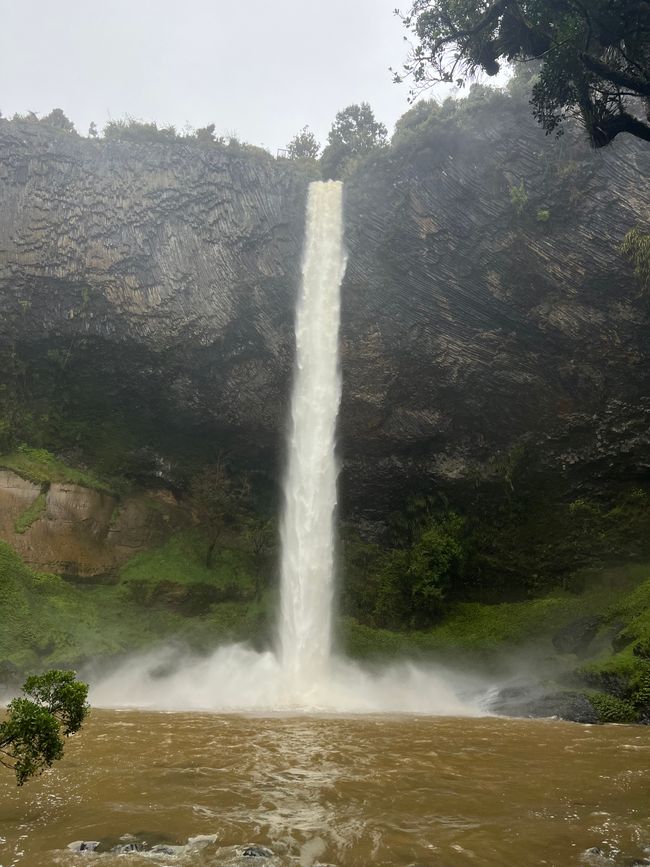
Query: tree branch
[(604, 131), (490, 16), (616, 76)]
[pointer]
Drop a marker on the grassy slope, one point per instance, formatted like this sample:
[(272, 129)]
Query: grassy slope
[(616, 679), (49, 622)]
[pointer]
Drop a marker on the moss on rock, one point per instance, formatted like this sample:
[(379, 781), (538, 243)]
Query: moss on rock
[(42, 467), (31, 514)]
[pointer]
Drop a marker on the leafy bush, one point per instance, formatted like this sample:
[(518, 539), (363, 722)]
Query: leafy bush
[(406, 584), (611, 709), (519, 198), (130, 129)]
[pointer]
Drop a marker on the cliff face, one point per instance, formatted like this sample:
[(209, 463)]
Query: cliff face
[(476, 324), (163, 278), (170, 271), (79, 532)]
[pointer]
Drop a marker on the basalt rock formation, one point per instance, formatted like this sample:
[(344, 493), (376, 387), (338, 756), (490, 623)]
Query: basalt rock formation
[(488, 314), (156, 282), (481, 330)]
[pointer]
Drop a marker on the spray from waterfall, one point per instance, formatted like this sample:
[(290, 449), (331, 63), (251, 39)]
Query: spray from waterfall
[(303, 673), (307, 532)]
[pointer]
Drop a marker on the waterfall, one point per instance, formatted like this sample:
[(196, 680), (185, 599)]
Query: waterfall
[(307, 532), (303, 672)]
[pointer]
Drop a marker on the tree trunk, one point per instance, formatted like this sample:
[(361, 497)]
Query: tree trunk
[(211, 547)]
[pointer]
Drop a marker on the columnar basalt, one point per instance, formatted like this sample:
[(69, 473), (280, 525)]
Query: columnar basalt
[(471, 324)]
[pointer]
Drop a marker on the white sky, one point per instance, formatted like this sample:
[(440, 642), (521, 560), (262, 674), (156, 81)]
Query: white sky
[(261, 68)]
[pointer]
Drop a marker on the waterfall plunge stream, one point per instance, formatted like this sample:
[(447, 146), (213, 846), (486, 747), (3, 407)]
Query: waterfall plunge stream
[(307, 583), (304, 673)]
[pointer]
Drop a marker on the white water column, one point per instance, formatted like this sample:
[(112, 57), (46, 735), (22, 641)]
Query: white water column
[(307, 530)]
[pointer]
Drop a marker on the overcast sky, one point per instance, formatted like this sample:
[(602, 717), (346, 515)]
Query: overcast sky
[(262, 69)]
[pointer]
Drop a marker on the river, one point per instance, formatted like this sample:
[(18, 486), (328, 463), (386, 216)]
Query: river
[(382, 790)]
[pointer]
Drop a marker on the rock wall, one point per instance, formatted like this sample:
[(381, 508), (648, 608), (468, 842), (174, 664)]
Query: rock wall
[(81, 533), (469, 328), (177, 266)]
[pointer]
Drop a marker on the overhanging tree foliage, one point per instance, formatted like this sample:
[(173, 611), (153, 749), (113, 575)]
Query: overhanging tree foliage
[(594, 55), (31, 737)]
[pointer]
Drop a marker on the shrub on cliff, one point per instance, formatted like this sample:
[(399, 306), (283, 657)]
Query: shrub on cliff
[(130, 129), (636, 248)]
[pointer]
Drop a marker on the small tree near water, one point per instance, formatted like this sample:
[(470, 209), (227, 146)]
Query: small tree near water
[(32, 736)]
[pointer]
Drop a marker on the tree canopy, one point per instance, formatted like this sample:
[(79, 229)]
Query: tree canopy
[(354, 133), (31, 737), (594, 56), (303, 146)]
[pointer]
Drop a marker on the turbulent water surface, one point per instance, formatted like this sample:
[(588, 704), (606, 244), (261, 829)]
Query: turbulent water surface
[(336, 791)]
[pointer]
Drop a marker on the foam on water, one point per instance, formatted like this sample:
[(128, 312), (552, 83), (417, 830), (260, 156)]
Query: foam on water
[(236, 678)]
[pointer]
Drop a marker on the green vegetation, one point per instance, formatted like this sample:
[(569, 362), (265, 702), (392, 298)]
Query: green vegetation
[(611, 709), (31, 514), (130, 129), (616, 683), (592, 57), (56, 120), (179, 567), (636, 248), (303, 146), (354, 134), (513, 542), (171, 594), (31, 737), (43, 468), (471, 629), (219, 500), (519, 198), (407, 583), (161, 595)]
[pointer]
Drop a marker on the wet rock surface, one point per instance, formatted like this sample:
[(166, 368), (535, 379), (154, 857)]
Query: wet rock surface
[(532, 701), (577, 636), (151, 844), (256, 852)]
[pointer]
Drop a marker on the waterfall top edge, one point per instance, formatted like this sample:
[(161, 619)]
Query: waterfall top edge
[(313, 185)]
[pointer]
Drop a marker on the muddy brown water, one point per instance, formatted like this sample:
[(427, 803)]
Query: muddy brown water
[(335, 791)]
